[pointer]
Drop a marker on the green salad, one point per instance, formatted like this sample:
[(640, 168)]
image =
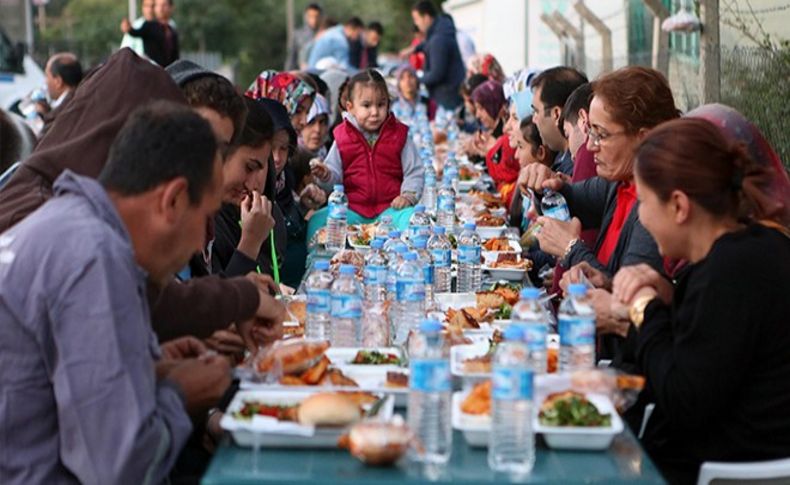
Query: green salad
[(572, 409)]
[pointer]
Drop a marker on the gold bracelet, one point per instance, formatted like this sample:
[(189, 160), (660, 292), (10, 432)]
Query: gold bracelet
[(637, 311), (569, 247)]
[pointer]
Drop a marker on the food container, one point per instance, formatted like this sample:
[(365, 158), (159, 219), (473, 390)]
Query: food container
[(582, 438), (455, 300), (475, 428), (488, 232), (509, 274), (342, 357), (460, 353), (379, 443), (269, 432), (467, 185)]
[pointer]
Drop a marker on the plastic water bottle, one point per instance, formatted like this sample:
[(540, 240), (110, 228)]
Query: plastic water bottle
[(453, 175), (346, 309), (384, 227), (511, 446), (375, 325), (376, 272), (555, 206), (420, 222), (393, 243), (318, 287), (441, 256), (529, 314), (429, 194), (394, 259), (410, 298), (577, 330), (336, 222), (425, 261), (469, 272), (429, 412), (445, 210)]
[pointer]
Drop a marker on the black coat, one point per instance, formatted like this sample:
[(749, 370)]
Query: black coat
[(444, 67)]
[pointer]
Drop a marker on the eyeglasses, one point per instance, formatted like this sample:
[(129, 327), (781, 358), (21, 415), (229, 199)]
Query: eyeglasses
[(597, 138)]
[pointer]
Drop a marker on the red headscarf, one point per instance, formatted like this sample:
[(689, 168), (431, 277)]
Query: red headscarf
[(503, 167)]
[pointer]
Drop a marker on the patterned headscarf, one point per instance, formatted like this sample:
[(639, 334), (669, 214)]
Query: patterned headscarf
[(282, 87), (775, 203), (487, 65), (518, 92), (320, 107), (491, 97)]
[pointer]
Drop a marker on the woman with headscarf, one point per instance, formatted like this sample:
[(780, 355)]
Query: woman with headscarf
[(487, 65), (314, 134), (405, 105), (292, 92), (501, 162)]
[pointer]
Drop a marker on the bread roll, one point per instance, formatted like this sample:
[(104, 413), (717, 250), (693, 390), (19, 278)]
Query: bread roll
[(328, 409)]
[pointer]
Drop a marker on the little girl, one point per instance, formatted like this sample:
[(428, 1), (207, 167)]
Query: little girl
[(372, 156)]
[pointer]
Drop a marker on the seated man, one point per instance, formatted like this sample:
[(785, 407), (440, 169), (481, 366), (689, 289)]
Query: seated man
[(84, 395)]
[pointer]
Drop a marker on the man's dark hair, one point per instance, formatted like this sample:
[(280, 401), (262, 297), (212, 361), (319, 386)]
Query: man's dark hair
[(470, 83), (67, 68), (579, 99), (258, 127), (376, 27), (354, 22), (321, 86), (425, 7), (529, 130), (556, 84), (160, 142), (218, 94), (314, 6)]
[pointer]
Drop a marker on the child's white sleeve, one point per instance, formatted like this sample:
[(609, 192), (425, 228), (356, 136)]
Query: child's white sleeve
[(413, 172), (335, 165)]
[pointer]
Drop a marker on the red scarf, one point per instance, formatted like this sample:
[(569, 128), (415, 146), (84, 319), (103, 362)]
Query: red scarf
[(626, 198), (503, 166)]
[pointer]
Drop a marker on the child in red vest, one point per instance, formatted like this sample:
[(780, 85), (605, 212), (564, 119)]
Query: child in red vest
[(372, 156)]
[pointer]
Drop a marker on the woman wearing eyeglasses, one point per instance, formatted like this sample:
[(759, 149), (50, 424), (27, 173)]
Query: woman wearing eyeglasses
[(626, 104)]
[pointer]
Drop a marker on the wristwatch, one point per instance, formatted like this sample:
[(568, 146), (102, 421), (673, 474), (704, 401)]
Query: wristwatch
[(637, 311)]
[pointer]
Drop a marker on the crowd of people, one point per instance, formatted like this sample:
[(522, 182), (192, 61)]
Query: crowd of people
[(145, 241)]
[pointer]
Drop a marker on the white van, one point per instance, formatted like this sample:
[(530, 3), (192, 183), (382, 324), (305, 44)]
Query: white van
[(19, 73)]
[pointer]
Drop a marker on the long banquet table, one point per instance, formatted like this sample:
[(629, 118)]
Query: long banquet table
[(624, 462)]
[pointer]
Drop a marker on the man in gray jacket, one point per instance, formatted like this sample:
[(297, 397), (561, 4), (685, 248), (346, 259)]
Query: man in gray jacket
[(87, 395), (303, 36)]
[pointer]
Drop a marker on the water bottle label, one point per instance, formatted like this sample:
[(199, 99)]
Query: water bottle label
[(337, 211), (346, 306), (375, 275), (427, 273), (469, 254), (560, 212), (430, 375), (409, 291), (441, 257), (417, 231), (447, 203), (535, 335), (319, 301), (509, 384), (577, 331)]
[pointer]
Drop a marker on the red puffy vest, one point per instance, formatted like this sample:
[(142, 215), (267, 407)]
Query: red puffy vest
[(372, 176)]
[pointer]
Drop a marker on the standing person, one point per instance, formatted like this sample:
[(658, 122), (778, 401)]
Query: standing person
[(160, 38), (550, 90), (334, 45), (365, 52), (373, 157), (86, 388), (313, 14), (136, 43), (444, 69)]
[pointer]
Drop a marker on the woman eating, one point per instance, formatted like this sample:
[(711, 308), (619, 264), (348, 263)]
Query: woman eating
[(714, 347)]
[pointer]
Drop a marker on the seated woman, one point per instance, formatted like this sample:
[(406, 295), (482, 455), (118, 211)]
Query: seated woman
[(405, 106), (294, 93), (529, 149), (373, 157), (245, 221), (313, 136), (626, 104), (469, 123), (714, 347), (491, 109)]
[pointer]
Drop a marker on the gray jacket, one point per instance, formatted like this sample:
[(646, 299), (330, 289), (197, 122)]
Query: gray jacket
[(79, 399), (302, 36), (593, 202)]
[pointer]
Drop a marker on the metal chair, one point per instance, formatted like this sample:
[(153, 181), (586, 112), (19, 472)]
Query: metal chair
[(758, 472)]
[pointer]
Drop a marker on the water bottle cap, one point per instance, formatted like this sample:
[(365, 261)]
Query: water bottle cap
[(401, 249), (513, 333), (377, 243), (339, 188), (347, 269), (409, 256), (419, 208), (430, 325), (470, 226), (530, 294), (394, 234), (322, 265), (439, 229), (577, 289)]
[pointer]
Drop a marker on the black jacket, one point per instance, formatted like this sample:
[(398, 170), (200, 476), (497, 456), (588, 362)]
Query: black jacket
[(155, 42), (717, 361), (444, 67)]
